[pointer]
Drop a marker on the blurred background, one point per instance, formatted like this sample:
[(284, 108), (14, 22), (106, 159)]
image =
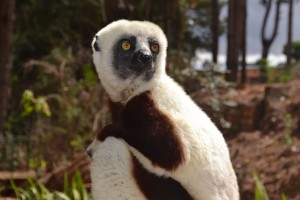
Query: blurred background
[(238, 59)]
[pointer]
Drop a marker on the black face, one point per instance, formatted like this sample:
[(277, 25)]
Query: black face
[(131, 61)]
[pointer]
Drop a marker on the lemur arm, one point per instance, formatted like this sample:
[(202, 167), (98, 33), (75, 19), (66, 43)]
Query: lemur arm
[(149, 131)]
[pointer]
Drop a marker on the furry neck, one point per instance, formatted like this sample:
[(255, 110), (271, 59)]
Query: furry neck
[(126, 90)]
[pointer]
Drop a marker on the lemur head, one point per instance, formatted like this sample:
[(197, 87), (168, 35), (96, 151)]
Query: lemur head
[(129, 56)]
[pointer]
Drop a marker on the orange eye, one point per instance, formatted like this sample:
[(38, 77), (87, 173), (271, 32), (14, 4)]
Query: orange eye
[(126, 45), (154, 48)]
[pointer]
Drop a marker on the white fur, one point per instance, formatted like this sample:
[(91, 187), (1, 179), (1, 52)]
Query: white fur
[(206, 172), (111, 171)]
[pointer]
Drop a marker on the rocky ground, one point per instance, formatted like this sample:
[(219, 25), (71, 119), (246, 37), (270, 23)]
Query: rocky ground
[(272, 148), (265, 136)]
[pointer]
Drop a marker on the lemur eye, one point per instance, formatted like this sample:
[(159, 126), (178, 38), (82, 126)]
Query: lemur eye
[(126, 45), (154, 48)]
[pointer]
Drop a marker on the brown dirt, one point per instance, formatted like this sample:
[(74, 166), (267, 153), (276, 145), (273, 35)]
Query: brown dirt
[(277, 163), (273, 150)]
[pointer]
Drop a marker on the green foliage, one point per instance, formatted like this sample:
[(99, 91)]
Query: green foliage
[(45, 30), (37, 164), (67, 96), (280, 75), (260, 190), (37, 191), (283, 197), (89, 75), (62, 107), (21, 152), (43, 25), (1, 188), (37, 105), (272, 74), (289, 139), (264, 70), (295, 50), (75, 190)]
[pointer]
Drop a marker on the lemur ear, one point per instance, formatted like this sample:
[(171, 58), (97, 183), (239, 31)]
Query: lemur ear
[(95, 44)]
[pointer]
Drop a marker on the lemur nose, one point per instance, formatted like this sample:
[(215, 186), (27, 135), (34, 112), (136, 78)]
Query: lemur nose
[(144, 57)]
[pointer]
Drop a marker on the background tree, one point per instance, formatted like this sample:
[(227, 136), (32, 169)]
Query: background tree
[(244, 43), (215, 29), (116, 9), (267, 42), (290, 32), (6, 32), (236, 19)]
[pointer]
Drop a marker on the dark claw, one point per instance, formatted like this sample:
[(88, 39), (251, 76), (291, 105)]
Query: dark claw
[(89, 153)]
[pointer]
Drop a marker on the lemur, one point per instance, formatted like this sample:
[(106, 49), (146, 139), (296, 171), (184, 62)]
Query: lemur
[(164, 131)]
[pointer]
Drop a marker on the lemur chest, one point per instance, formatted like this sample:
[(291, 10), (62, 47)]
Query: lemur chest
[(143, 126)]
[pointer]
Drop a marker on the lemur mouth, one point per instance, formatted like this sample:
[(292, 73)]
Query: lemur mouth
[(141, 68)]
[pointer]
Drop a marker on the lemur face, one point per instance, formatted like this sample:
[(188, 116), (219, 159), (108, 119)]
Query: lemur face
[(128, 54), (135, 56), (134, 48)]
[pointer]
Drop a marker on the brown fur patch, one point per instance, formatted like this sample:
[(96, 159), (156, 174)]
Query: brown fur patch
[(113, 130), (157, 188), (147, 129), (115, 110), (151, 132)]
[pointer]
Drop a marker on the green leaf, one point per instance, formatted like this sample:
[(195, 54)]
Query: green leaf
[(28, 95), (260, 190), (283, 197), (38, 191), (61, 196), (15, 188), (33, 163)]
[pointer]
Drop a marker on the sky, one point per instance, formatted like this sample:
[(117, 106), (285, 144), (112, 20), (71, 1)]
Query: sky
[(254, 21)]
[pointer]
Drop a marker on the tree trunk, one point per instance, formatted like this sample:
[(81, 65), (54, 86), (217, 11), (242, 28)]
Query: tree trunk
[(6, 32), (215, 30), (230, 41), (290, 31), (117, 9), (244, 44), (267, 42), (148, 9), (265, 50), (235, 30)]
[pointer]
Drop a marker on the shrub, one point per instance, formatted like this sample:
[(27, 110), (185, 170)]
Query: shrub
[(37, 191)]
